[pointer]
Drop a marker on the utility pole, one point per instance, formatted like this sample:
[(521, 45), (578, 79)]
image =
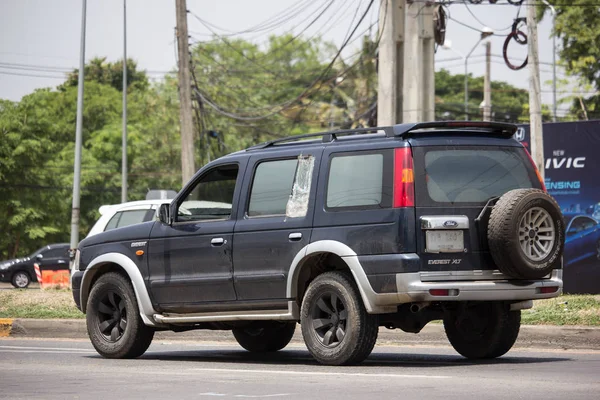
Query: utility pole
[(419, 73), (535, 96), (426, 28), (124, 139), (553, 11), (487, 84), (390, 70), (78, 137), (185, 94), (413, 64)]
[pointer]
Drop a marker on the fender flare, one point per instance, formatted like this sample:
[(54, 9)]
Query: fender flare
[(135, 276), (350, 258)]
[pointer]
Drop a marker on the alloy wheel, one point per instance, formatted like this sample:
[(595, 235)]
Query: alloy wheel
[(536, 234), (329, 318), (112, 316)]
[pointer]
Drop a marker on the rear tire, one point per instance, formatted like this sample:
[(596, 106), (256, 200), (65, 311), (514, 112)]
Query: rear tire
[(526, 234), (20, 280), (336, 327), (267, 337), (113, 319), (480, 330)]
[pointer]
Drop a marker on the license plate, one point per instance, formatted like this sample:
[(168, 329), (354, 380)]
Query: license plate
[(447, 241)]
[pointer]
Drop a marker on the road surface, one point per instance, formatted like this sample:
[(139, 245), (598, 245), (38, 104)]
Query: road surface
[(71, 369)]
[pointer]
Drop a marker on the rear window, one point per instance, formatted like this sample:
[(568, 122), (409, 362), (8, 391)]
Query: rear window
[(474, 175)]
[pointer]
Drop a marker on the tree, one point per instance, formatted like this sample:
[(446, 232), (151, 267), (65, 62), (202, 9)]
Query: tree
[(111, 74), (576, 27)]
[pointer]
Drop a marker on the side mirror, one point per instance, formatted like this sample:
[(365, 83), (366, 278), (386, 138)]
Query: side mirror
[(164, 214), (39, 256)]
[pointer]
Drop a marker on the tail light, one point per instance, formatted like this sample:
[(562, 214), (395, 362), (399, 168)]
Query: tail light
[(537, 171), (404, 178)]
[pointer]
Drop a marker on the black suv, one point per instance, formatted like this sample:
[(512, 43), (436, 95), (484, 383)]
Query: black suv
[(20, 271), (343, 232)]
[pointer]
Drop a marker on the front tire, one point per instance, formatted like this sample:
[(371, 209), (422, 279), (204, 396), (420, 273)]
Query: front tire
[(336, 327), (113, 319), (20, 280), (267, 337), (480, 330)]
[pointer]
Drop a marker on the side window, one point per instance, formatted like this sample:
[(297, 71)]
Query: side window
[(131, 217), (112, 224), (359, 181), (271, 187), (576, 225), (589, 223), (212, 197), (54, 253)]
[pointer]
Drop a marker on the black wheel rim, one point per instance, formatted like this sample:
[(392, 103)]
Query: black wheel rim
[(112, 316), (329, 318)]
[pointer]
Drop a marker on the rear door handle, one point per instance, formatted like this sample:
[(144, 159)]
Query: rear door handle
[(218, 241), (61, 261), (295, 236)]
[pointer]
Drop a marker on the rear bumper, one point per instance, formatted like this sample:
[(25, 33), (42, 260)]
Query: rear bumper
[(505, 290), (382, 293)]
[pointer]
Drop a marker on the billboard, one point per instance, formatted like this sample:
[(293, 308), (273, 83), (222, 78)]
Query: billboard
[(572, 175)]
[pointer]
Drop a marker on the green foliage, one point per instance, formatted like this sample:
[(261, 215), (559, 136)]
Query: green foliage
[(576, 27), (111, 74)]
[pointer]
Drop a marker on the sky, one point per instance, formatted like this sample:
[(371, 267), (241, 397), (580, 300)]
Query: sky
[(40, 39)]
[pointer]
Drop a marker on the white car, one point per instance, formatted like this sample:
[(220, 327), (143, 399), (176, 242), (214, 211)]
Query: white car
[(119, 215)]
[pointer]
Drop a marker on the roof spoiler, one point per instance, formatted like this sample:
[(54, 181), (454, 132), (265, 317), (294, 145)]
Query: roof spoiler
[(501, 129)]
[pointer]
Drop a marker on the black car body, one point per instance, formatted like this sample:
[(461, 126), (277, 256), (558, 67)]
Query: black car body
[(20, 271), (395, 223)]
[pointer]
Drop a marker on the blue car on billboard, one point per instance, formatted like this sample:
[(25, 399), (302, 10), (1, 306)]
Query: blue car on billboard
[(582, 238)]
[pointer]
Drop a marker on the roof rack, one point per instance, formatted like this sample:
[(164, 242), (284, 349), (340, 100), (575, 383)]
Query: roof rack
[(501, 129), (327, 136)]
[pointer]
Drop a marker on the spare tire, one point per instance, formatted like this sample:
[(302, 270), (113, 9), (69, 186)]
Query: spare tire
[(526, 234)]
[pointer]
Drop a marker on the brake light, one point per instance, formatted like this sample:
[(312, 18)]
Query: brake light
[(537, 171), (404, 178)]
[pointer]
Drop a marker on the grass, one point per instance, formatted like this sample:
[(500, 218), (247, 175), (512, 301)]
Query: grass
[(564, 310), (58, 303), (27, 303)]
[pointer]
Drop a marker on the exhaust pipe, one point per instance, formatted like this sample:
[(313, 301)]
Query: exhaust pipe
[(416, 307)]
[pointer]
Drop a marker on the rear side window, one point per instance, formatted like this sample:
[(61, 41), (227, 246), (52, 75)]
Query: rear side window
[(474, 175), (358, 181), (125, 218), (271, 187)]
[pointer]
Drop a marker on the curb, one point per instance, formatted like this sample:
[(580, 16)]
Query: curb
[(531, 336), (6, 326)]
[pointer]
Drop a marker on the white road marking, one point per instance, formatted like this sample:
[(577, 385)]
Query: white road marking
[(279, 372), (46, 348), (245, 396)]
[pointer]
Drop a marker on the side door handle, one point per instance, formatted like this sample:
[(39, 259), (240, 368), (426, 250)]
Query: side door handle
[(218, 242), (295, 236)]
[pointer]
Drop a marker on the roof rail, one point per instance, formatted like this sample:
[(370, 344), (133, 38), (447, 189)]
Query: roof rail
[(327, 136), (501, 129)]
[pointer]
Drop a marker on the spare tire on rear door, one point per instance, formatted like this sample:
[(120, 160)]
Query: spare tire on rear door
[(526, 234)]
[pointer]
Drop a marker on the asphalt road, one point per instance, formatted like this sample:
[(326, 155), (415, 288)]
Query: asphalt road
[(70, 369)]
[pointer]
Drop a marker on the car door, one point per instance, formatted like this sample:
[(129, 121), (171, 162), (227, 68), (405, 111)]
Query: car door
[(573, 240), (277, 208), (54, 259), (589, 237), (190, 259)]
